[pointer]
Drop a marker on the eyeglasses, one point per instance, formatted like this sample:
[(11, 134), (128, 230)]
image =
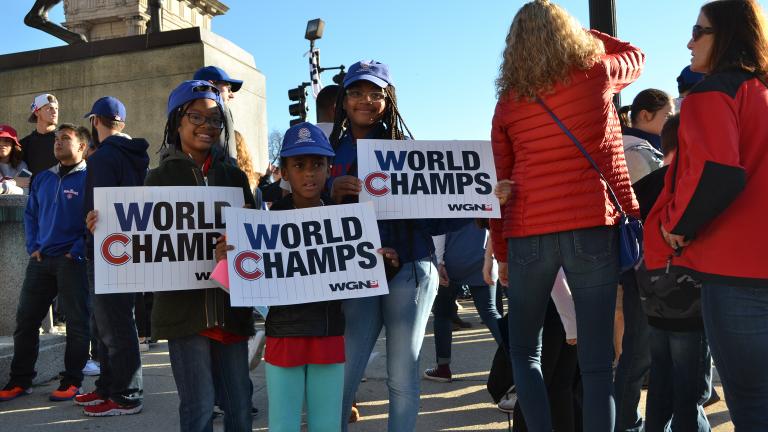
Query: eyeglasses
[(372, 96), (199, 120), (699, 31)]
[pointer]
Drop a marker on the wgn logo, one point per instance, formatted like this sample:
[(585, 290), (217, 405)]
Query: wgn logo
[(353, 285), (470, 207)]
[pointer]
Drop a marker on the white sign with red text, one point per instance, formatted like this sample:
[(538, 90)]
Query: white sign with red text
[(428, 179), (305, 255), (158, 238)]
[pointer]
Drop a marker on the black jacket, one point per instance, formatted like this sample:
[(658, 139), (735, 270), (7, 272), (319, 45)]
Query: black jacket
[(185, 313), (307, 319)]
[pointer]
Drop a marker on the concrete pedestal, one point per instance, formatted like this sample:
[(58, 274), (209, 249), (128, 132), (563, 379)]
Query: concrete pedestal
[(140, 71)]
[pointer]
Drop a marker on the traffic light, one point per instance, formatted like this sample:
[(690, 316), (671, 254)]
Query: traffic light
[(300, 108)]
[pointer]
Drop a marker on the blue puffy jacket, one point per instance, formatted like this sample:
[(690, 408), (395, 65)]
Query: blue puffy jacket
[(54, 221)]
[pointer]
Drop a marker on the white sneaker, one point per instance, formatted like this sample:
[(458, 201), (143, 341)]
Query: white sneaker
[(255, 349), (507, 403), (92, 368)]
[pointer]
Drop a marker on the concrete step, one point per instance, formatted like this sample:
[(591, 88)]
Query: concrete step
[(50, 361)]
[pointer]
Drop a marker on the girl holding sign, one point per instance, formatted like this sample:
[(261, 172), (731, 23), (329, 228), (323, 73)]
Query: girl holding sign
[(367, 108), (207, 338)]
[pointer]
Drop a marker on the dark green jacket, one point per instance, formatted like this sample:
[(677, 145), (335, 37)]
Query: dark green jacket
[(185, 313)]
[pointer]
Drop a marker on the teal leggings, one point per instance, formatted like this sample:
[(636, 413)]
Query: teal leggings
[(321, 386)]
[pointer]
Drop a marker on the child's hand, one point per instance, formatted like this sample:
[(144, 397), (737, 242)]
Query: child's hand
[(91, 219), (390, 255), (344, 186), (503, 191), (222, 247), (442, 273)]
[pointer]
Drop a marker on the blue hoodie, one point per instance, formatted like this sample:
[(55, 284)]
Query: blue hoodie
[(465, 254), (119, 161), (54, 221), (411, 238)]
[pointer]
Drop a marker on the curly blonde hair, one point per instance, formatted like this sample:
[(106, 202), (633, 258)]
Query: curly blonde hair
[(544, 45), (244, 160)]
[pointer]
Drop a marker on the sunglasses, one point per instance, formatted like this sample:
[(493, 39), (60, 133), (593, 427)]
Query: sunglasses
[(205, 88), (699, 31)]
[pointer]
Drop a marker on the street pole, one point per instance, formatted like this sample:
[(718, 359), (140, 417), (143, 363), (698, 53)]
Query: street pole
[(602, 17)]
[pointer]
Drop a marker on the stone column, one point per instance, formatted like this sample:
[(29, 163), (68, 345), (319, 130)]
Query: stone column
[(136, 25)]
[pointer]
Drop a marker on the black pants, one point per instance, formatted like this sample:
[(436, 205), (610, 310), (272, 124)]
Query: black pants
[(44, 280), (559, 367)]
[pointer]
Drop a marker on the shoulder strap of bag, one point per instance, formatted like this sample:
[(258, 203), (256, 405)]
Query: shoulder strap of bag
[(584, 152)]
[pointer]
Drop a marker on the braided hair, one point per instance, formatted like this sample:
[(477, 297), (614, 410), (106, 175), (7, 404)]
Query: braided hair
[(171, 132), (391, 119)]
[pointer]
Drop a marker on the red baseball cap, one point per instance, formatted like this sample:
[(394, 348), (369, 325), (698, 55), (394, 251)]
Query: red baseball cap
[(9, 132)]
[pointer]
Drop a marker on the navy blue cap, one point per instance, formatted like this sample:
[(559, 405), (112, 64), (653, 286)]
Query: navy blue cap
[(369, 70), (305, 139), (688, 79), (109, 107), (213, 73), (192, 90)]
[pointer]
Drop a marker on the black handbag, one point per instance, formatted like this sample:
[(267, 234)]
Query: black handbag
[(630, 228)]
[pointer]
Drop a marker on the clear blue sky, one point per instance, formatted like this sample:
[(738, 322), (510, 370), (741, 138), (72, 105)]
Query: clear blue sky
[(443, 55)]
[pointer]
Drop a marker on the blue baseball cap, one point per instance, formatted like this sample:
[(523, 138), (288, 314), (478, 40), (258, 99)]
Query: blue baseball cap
[(305, 139), (192, 90), (213, 73), (369, 70), (109, 107)]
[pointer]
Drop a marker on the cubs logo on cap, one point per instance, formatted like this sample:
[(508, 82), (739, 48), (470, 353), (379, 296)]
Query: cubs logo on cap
[(305, 139), (368, 70)]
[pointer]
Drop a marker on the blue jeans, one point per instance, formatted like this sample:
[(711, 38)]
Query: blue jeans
[(736, 322), (403, 313), (589, 258), (199, 365), (635, 358), (121, 378), (484, 297), (43, 281), (680, 382)]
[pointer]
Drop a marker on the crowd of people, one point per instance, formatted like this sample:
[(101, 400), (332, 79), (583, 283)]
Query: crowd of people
[(580, 337)]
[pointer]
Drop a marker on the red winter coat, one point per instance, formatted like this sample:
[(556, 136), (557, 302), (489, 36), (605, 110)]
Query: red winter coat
[(556, 189), (716, 189)]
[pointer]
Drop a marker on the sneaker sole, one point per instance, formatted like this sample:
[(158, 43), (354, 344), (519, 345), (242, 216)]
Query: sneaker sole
[(24, 393), (91, 403), (61, 399), (437, 379), (115, 412)]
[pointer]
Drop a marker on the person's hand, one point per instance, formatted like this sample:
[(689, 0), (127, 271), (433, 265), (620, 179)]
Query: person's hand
[(68, 256), (390, 255), (675, 241), (571, 342), (488, 270), (503, 191), (443, 274), (222, 247), (503, 274), (36, 255), (91, 219), (344, 186), (22, 182)]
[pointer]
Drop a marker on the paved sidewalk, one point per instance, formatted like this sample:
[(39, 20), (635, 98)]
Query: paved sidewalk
[(463, 405)]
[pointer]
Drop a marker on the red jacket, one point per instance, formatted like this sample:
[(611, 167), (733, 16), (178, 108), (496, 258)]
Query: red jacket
[(556, 188), (716, 190)]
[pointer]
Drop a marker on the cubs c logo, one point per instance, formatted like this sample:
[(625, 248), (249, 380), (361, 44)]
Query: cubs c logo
[(106, 249), (240, 263), (372, 188)]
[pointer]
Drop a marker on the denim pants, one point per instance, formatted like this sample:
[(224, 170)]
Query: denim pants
[(484, 297), (680, 382), (121, 378), (44, 280), (635, 359), (319, 386), (199, 365), (589, 258), (736, 323), (403, 313)]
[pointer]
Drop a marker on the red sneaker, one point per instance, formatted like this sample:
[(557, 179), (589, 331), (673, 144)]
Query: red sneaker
[(111, 408), (64, 392), (89, 399), (11, 392)]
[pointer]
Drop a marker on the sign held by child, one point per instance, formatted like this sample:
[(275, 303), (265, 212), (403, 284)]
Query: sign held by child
[(158, 238), (428, 179), (304, 255)]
